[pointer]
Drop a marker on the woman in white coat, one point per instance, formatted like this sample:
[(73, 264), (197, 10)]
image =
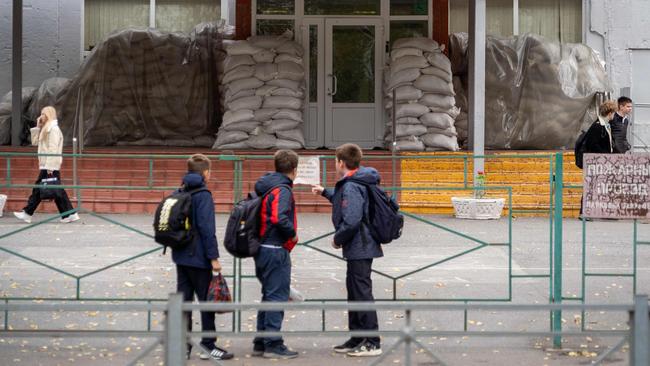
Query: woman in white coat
[(49, 139)]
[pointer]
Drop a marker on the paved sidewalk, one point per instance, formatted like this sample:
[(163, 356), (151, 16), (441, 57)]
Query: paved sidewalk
[(93, 243)]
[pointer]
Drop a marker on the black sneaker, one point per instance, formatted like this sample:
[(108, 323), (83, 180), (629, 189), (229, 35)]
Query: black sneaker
[(346, 347), (258, 350), (217, 354), (280, 352), (365, 349)]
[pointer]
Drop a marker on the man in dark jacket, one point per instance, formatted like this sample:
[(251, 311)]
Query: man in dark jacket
[(619, 125), (349, 207), (195, 262), (278, 229)]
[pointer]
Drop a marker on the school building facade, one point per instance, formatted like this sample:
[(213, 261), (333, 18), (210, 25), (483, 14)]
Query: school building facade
[(58, 34)]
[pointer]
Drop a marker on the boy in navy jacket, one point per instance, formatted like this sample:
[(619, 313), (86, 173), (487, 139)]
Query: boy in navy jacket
[(349, 206), (278, 229), (195, 262)]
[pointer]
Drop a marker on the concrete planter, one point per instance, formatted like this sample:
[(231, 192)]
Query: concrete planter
[(478, 208)]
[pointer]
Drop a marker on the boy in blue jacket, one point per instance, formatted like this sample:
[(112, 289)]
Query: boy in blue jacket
[(349, 207), (195, 262), (278, 229)]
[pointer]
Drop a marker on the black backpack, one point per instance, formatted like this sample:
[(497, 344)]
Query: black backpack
[(242, 238), (384, 221), (172, 224), (580, 148)]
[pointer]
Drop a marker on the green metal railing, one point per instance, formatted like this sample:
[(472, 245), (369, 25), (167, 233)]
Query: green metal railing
[(585, 273), (238, 164)]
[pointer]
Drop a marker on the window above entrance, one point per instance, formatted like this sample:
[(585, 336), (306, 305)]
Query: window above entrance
[(276, 7), (409, 7), (343, 7)]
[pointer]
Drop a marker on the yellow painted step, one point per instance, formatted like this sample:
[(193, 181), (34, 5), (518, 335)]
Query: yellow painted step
[(529, 178)]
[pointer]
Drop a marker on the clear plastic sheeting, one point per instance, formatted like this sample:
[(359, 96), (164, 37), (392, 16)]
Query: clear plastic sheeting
[(5, 115), (147, 87), (49, 93), (539, 94)]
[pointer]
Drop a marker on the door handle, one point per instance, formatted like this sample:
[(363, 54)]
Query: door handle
[(336, 86)]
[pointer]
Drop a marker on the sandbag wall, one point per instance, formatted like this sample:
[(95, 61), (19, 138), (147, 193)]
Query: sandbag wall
[(137, 87), (420, 75), (263, 91)]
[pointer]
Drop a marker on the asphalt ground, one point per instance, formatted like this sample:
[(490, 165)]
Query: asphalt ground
[(483, 274)]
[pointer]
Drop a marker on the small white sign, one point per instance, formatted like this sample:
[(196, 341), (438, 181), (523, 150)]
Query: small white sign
[(308, 170)]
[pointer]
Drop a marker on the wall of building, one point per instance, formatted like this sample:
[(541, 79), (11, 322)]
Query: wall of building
[(620, 31), (615, 28), (51, 40)]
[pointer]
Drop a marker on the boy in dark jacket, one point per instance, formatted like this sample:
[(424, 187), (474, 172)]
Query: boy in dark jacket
[(195, 262), (272, 262), (349, 207)]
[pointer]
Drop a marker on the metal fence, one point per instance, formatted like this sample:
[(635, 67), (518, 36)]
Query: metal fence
[(156, 173), (175, 337)]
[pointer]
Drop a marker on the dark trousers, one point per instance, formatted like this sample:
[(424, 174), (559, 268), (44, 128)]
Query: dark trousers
[(359, 286), (273, 270), (196, 281), (61, 199)]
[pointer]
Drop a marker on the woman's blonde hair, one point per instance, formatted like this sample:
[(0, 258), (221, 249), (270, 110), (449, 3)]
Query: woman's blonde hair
[(50, 113), (608, 106)]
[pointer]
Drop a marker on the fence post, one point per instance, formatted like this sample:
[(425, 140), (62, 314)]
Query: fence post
[(75, 176), (557, 248), (175, 337), (640, 331), (408, 334)]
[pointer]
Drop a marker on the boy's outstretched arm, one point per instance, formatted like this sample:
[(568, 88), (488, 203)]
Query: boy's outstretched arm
[(320, 191)]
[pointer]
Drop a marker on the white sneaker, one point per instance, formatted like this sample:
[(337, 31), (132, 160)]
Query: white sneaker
[(22, 215), (72, 218)]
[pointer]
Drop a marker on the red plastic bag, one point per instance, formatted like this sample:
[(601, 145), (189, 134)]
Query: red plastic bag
[(218, 291)]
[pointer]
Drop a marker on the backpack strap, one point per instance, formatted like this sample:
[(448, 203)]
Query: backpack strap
[(192, 192), (195, 190), (274, 187), (364, 218)]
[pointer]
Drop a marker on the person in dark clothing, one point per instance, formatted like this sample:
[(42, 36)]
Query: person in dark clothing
[(619, 125), (349, 207), (599, 139), (278, 228), (196, 262)]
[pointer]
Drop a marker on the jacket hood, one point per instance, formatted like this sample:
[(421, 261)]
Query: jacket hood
[(366, 175), (270, 180), (193, 180)]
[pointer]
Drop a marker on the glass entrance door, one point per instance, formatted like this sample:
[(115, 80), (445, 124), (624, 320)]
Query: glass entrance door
[(344, 58)]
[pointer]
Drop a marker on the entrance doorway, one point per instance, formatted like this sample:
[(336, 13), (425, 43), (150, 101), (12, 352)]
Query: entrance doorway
[(343, 60)]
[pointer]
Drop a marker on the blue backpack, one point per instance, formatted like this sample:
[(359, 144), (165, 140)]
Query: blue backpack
[(384, 220)]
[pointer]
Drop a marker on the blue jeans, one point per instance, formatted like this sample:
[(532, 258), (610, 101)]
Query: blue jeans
[(273, 270)]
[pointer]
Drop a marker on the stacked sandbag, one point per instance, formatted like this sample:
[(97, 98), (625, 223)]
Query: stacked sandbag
[(263, 90), (539, 94), (462, 121), (420, 75), (5, 115), (147, 87)]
